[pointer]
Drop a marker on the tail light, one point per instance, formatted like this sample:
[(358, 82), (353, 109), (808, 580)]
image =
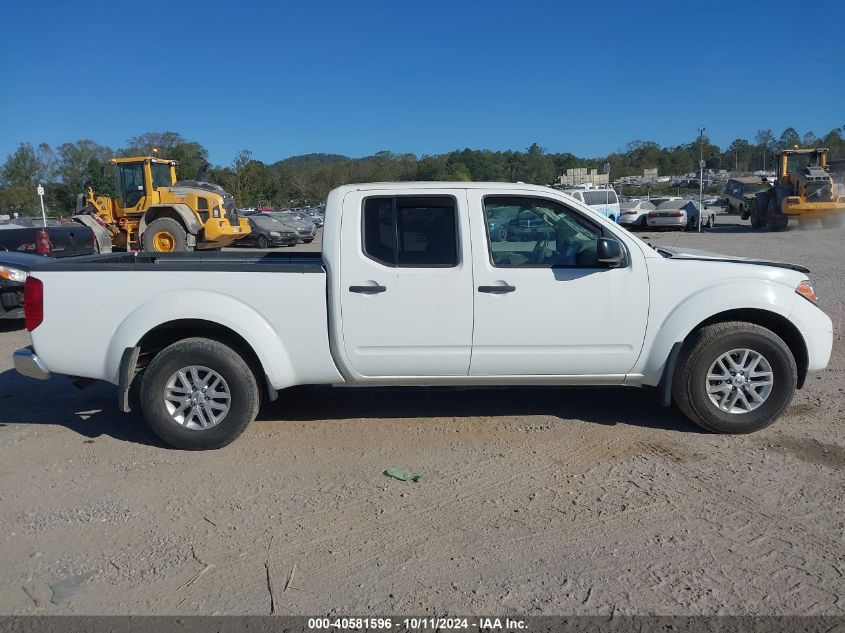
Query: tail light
[(42, 243), (33, 303), (677, 214)]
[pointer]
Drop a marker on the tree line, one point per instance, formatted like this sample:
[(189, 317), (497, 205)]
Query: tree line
[(67, 169)]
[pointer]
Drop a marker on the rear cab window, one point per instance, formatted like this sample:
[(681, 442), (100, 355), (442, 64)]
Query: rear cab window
[(411, 231)]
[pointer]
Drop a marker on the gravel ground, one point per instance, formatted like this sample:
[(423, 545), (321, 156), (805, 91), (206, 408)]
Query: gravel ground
[(533, 500)]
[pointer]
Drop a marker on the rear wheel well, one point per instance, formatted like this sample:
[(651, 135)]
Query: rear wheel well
[(778, 324), (168, 333)]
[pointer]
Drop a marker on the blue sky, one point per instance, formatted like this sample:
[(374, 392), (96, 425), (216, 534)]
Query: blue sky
[(285, 78)]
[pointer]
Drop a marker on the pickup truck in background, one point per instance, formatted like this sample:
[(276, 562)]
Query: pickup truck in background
[(27, 238), (27, 235), (411, 290)]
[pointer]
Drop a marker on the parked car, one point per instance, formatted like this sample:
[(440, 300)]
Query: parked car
[(408, 291), (267, 232), (604, 201), (498, 223), (304, 228), (527, 226), (740, 192), (634, 213), (680, 214)]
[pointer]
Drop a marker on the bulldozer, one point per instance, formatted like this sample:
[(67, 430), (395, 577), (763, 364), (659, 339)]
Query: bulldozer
[(803, 189), (153, 212)]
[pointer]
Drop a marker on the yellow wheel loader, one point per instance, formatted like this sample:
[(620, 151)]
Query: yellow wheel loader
[(803, 189), (154, 212)]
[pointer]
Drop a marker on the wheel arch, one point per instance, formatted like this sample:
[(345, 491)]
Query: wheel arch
[(177, 315), (182, 213), (773, 321), (165, 334)]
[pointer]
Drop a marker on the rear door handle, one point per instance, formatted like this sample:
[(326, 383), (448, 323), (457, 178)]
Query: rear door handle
[(367, 290), (497, 289)]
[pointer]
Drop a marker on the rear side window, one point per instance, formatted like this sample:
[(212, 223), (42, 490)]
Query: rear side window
[(411, 231)]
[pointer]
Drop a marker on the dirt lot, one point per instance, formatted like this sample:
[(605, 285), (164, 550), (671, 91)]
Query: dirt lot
[(533, 501)]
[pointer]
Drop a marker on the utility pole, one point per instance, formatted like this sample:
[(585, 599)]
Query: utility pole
[(701, 175)]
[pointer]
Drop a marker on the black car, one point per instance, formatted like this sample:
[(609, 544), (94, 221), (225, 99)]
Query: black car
[(529, 226), (266, 232)]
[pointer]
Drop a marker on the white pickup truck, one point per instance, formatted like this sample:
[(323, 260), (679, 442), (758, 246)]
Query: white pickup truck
[(459, 284)]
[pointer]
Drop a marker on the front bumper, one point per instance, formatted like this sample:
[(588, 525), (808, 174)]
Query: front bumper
[(285, 240), (220, 229), (11, 302), (29, 365)]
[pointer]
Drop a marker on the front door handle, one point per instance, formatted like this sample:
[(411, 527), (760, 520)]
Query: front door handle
[(368, 290), (500, 289)]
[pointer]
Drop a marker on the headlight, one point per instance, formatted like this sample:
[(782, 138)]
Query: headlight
[(805, 289), (12, 274), (275, 234)]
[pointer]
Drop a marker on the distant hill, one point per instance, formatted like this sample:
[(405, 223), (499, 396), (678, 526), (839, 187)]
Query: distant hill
[(310, 159)]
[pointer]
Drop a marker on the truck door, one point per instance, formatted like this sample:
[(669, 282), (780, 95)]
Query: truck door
[(406, 284), (544, 305)]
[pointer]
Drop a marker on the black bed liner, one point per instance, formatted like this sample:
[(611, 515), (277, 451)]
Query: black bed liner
[(214, 261)]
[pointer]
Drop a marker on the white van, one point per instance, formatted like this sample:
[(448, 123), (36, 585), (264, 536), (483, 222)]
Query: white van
[(605, 201)]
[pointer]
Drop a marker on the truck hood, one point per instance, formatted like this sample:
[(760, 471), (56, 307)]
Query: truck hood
[(21, 261), (707, 256)]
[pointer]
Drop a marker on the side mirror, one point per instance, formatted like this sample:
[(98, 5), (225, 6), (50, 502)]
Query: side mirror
[(609, 251)]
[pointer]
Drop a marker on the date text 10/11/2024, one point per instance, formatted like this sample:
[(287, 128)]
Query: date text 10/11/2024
[(418, 623)]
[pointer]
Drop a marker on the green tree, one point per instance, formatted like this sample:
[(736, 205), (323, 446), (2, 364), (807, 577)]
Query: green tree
[(789, 138), (19, 178)]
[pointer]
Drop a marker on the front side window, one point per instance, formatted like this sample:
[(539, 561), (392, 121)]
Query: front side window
[(161, 175), (538, 233), (411, 231)]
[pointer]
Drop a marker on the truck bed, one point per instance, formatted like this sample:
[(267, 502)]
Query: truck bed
[(283, 316)]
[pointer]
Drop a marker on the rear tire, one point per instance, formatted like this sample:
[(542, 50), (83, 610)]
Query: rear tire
[(692, 382), (211, 357), (165, 235)]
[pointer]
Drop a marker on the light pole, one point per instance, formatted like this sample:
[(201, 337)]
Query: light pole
[(40, 191), (607, 191), (700, 193)]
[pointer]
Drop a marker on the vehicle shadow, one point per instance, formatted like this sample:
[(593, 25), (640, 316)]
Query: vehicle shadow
[(11, 325), (608, 406), (90, 412)]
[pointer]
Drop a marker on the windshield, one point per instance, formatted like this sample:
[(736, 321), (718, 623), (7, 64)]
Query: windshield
[(796, 162), (266, 223), (755, 188)]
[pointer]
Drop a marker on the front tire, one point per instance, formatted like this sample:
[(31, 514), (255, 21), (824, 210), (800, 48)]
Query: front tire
[(776, 220), (199, 394), (262, 242), (165, 235), (734, 377)]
